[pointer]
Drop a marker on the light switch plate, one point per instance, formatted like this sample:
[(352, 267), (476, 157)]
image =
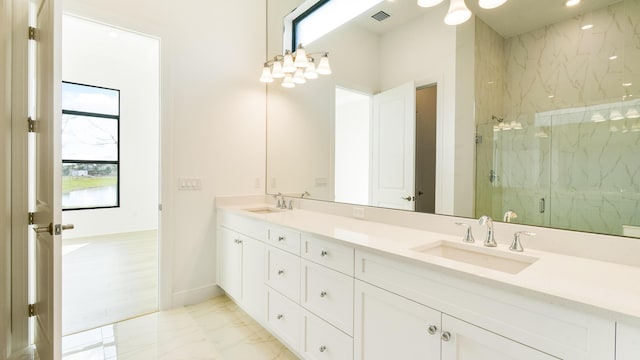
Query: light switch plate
[(189, 183), (357, 212)]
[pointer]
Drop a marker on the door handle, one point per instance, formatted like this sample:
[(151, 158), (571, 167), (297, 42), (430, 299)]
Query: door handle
[(408, 198), (56, 229)]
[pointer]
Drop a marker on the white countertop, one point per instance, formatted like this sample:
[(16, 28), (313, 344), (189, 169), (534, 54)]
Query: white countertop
[(608, 289)]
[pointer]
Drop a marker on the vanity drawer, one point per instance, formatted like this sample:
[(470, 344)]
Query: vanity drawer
[(252, 228), (328, 253), (283, 318), (285, 239), (283, 272), (320, 340), (328, 294)]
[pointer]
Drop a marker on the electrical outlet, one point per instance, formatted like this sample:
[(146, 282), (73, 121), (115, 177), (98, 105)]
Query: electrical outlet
[(357, 212)]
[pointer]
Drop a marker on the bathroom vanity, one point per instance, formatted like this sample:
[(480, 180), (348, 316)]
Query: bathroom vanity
[(333, 287)]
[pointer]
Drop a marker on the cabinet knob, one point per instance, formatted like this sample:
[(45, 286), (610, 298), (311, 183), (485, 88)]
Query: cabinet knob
[(279, 316), (324, 253), (280, 238), (432, 329), (322, 348), (446, 336), (323, 294), (280, 272)]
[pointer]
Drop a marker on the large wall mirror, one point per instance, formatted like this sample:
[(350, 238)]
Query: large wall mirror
[(532, 107)]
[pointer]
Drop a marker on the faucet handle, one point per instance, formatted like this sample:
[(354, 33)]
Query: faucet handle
[(516, 245), (468, 236)]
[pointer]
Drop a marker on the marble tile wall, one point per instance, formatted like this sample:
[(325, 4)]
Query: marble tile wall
[(571, 130)]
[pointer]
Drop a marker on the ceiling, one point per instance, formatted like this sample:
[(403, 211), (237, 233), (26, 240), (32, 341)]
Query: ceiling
[(513, 18)]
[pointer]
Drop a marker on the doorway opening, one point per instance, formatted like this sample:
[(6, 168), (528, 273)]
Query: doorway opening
[(426, 118), (110, 149)]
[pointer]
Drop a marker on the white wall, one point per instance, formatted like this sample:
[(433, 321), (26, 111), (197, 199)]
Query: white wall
[(101, 55), (213, 123)]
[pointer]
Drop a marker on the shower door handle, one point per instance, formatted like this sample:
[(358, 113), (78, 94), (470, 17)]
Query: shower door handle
[(541, 205)]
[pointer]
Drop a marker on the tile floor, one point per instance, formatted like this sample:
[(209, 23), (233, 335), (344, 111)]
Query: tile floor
[(215, 329)]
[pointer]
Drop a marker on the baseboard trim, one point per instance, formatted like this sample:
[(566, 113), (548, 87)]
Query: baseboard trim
[(195, 295)]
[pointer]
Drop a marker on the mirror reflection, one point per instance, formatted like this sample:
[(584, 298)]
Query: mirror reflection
[(530, 108)]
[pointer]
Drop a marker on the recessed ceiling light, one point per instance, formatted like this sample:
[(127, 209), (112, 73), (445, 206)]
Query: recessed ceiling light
[(613, 57), (587, 27), (572, 2)]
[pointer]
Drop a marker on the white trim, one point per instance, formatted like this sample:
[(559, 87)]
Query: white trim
[(196, 295)]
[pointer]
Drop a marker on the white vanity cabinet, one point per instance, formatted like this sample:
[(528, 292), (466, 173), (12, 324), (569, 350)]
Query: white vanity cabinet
[(390, 326), (240, 262), (492, 320), (627, 342)]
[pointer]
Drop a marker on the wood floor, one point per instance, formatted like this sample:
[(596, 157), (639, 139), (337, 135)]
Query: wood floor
[(106, 279)]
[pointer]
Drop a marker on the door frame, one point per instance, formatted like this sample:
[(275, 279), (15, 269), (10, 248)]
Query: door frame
[(19, 332)]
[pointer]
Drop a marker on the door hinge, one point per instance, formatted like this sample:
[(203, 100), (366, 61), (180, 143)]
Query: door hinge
[(478, 139), (32, 217), (32, 125), (32, 310), (32, 33)]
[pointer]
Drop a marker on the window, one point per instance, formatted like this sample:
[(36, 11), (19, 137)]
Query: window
[(315, 18), (90, 147)]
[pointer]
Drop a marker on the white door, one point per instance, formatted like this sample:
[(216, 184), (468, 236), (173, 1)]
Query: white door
[(463, 341), (388, 326), (48, 181), (393, 148)]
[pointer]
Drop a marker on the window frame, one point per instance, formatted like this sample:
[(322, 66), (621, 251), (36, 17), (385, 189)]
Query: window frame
[(105, 162), (300, 18)]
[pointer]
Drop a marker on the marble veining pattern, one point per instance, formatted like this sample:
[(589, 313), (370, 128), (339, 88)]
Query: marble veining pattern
[(571, 126), (215, 329)]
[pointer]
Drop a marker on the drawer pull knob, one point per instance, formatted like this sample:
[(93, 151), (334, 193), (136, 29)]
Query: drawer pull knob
[(446, 336), (280, 238), (322, 348), (280, 272), (279, 316), (432, 329), (323, 293), (324, 253)]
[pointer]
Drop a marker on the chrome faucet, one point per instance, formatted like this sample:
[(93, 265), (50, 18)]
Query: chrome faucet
[(489, 240), (281, 203), (510, 214), (516, 245), (468, 236)]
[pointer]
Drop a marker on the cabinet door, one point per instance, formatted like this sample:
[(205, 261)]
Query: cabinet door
[(627, 342), (254, 299), (463, 341), (388, 326), (230, 263)]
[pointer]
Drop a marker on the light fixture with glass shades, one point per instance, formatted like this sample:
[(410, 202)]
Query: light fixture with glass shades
[(295, 68), (458, 11)]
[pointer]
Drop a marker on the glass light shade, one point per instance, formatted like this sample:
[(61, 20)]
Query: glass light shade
[(632, 113), (288, 81), (572, 2), (301, 58), (298, 77), (310, 71), (597, 117), (287, 63), (266, 75), (458, 13), (323, 66), (615, 115), (491, 4), (429, 3), (277, 72)]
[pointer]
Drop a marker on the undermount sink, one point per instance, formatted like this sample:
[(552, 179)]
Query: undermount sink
[(263, 210), (489, 258)]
